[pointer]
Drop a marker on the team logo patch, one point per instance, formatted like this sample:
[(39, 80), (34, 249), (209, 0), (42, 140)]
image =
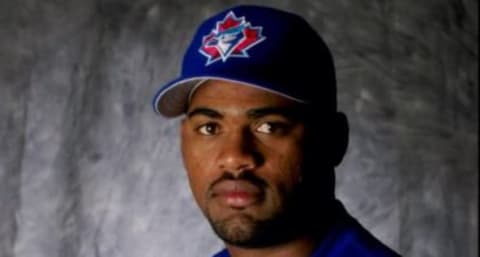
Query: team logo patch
[(231, 37)]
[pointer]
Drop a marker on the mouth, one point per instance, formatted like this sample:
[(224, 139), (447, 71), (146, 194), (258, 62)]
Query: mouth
[(236, 194)]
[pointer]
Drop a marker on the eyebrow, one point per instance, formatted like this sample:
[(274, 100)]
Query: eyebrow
[(292, 113), (206, 112)]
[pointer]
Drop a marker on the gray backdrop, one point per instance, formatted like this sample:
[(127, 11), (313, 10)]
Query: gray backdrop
[(87, 169)]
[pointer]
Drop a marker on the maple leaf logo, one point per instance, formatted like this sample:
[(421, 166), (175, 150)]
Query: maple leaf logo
[(231, 37)]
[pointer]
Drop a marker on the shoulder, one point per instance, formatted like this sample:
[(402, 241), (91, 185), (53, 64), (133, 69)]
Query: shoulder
[(222, 253), (347, 238)]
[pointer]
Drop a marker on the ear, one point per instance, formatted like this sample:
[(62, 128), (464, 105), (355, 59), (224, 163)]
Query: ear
[(340, 136)]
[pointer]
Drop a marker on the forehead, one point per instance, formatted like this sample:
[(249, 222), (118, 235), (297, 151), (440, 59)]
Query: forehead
[(231, 95)]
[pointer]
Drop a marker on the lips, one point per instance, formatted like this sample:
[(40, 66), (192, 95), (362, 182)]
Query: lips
[(236, 193)]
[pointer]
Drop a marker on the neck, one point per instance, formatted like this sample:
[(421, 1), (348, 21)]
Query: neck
[(301, 247)]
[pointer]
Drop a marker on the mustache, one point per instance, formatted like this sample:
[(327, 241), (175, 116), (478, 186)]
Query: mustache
[(246, 176)]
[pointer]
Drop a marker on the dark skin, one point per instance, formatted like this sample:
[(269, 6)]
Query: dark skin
[(244, 152)]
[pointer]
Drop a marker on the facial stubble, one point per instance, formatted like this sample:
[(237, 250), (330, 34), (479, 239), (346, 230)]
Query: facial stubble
[(245, 229)]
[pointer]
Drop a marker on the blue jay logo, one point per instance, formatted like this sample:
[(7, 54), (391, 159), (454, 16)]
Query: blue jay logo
[(231, 37)]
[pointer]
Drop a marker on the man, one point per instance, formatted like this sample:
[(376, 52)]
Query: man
[(261, 136)]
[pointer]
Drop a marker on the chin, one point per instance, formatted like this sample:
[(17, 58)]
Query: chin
[(237, 229), (246, 230)]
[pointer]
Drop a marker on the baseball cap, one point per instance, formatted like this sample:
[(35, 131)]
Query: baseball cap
[(256, 46)]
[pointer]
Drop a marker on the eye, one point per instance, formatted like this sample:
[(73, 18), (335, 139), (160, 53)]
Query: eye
[(208, 129), (271, 127)]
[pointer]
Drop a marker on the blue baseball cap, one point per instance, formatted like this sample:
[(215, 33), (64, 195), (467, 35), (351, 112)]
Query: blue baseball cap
[(257, 46)]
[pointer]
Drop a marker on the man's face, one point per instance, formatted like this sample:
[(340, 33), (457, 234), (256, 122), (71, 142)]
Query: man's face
[(243, 151)]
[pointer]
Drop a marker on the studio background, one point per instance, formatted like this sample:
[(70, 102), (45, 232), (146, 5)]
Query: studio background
[(88, 170)]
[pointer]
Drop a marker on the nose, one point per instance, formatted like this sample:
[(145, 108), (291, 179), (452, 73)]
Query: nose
[(238, 152)]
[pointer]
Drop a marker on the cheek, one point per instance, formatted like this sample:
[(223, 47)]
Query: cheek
[(291, 170), (198, 166), (285, 166)]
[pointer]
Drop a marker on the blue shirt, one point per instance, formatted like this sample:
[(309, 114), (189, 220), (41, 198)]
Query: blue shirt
[(345, 238)]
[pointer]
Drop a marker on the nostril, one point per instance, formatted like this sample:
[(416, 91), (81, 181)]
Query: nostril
[(238, 163), (240, 159)]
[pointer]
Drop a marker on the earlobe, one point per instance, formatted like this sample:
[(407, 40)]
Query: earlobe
[(340, 138)]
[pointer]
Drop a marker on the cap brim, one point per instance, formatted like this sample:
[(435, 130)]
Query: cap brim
[(172, 99)]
